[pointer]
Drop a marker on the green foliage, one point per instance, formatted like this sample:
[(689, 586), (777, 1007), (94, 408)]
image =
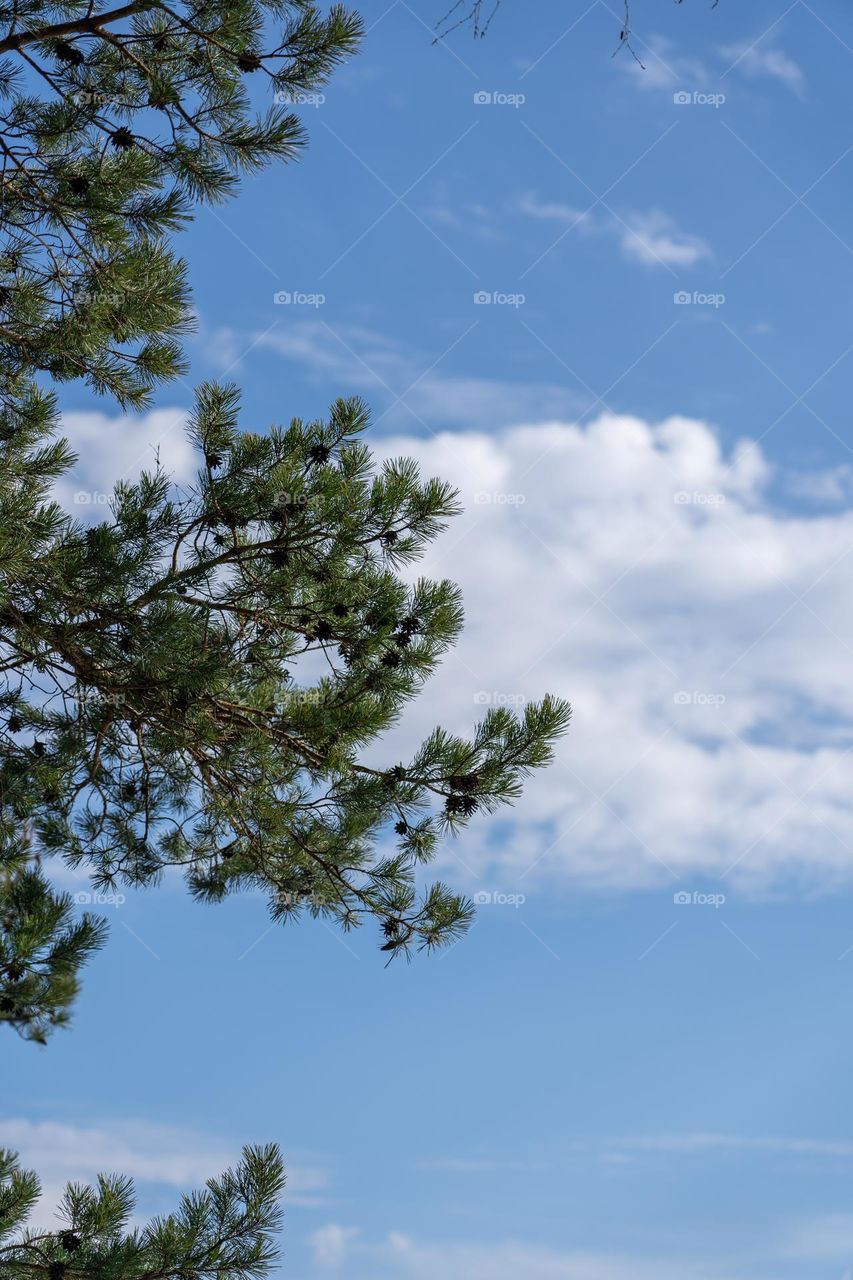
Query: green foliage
[(42, 945), (193, 682), (222, 1233), (114, 122)]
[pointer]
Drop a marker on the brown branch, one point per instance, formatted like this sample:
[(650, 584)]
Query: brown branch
[(76, 26)]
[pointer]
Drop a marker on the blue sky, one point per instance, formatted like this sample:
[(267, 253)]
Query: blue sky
[(637, 1065)]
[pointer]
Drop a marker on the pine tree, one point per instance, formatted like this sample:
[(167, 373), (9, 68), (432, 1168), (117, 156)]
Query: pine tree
[(114, 124), (192, 682), (225, 1232)]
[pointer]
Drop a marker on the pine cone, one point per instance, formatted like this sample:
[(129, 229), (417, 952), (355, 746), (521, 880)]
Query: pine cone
[(249, 62), (68, 53)]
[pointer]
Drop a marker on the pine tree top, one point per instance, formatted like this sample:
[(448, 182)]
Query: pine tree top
[(227, 1231), (114, 122)]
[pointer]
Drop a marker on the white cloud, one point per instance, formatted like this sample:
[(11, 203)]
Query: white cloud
[(663, 67), (553, 211), (758, 61), (419, 391), (331, 1244), (637, 1148), (405, 1258), (655, 239), (825, 1237), (702, 634), (111, 449), (687, 1143), (652, 238), (151, 1154)]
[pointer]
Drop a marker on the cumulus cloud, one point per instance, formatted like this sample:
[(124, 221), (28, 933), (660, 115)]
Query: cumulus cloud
[(118, 448), (702, 632)]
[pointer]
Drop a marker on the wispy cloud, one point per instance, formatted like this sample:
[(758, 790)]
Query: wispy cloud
[(651, 237), (687, 1143), (768, 62), (331, 1244), (664, 67), (554, 211), (407, 1258), (655, 239), (412, 390), (155, 1156)]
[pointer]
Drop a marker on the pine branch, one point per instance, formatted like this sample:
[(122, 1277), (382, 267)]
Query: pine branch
[(153, 713)]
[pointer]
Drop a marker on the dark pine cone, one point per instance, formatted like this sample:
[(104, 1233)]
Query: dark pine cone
[(122, 138), (319, 454), (249, 62), (460, 805), (69, 53), (463, 781)]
